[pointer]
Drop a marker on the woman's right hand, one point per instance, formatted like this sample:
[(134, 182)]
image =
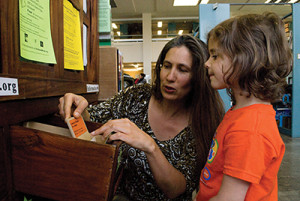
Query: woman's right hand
[(67, 101)]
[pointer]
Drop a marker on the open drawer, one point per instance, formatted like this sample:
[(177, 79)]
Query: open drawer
[(62, 168)]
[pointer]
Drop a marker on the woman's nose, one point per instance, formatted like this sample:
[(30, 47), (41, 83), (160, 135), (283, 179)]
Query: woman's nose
[(171, 74)]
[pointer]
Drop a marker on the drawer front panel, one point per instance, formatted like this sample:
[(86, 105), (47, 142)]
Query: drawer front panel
[(59, 167)]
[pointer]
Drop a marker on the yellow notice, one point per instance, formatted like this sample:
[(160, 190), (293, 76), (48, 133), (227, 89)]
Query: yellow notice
[(72, 38), (35, 31)]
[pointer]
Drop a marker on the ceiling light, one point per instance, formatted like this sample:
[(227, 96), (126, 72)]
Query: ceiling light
[(133, 69), (114, 25), (204, 1), (159, 24), (268, 1), (119, 33), (292, 1), (159, 32), (277, 1), (185, 2), (180, 32)]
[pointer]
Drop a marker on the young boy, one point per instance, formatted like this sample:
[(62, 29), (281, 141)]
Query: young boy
[(250, 57)]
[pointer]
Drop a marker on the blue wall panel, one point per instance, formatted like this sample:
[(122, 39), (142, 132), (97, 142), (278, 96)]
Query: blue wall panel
[(296, 72), (209, 16)]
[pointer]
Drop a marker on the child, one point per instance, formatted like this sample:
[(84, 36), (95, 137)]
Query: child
[(249, 56)]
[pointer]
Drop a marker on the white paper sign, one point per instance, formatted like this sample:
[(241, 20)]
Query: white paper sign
[(9, 86), (84, 35), (92, 88), (84, 6)]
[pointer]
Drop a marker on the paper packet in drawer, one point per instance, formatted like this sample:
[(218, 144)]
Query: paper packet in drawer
[(78, 128)]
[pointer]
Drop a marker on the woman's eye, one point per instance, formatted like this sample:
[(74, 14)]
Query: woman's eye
[(183, 70), (166, 66), (214, 56)]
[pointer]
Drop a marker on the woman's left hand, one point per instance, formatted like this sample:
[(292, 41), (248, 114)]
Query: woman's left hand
[(126, 131)]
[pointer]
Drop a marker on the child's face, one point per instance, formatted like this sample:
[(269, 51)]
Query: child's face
[(218, 64)]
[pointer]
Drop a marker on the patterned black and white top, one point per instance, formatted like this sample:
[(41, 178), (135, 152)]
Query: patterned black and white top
[(137, 181)]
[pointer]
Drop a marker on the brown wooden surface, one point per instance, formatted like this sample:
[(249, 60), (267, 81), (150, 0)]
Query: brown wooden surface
[(3, 187), (40, 85), (15, 111), (93, 54), (108, 72), (37, 87), (60, 168), (38, 79), (6, 185)]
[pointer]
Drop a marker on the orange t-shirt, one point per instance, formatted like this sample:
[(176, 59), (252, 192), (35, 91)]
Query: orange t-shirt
[(247, 145)]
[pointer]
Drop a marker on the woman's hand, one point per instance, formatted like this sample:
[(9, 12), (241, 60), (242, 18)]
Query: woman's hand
[(67, 101), (128, 132), (169, 179)]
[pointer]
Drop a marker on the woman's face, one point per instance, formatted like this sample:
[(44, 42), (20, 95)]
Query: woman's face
[(176, 74)]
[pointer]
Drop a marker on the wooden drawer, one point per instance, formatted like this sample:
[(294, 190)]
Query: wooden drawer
[(62, 168)]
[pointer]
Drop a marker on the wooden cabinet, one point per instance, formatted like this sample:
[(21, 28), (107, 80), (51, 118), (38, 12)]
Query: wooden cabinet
[(110, 72), (42, 163), (44, 80), (62, 168)]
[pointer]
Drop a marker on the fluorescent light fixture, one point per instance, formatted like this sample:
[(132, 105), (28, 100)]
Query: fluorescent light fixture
[(114, 25), (133, 69), (159, 24), (159, 32), (206, 1), (292, 1), (119, 33), (185, 2), (277, 1), (180, 32), (268, 1)]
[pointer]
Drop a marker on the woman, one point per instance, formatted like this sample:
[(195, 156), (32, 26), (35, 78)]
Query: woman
[(142, 79), (167, 128)]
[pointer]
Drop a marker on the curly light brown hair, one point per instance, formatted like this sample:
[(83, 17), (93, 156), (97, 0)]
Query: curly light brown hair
[(259, 51)]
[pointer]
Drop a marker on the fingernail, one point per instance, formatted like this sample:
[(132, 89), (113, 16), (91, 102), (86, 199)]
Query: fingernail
[(93, 133), (76, 114)]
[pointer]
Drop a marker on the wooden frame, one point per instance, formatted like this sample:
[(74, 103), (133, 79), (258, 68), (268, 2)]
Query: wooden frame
[(40, 85), (40, 80)]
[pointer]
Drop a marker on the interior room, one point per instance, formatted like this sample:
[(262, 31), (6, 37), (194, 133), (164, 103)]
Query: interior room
[(91, 108)]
